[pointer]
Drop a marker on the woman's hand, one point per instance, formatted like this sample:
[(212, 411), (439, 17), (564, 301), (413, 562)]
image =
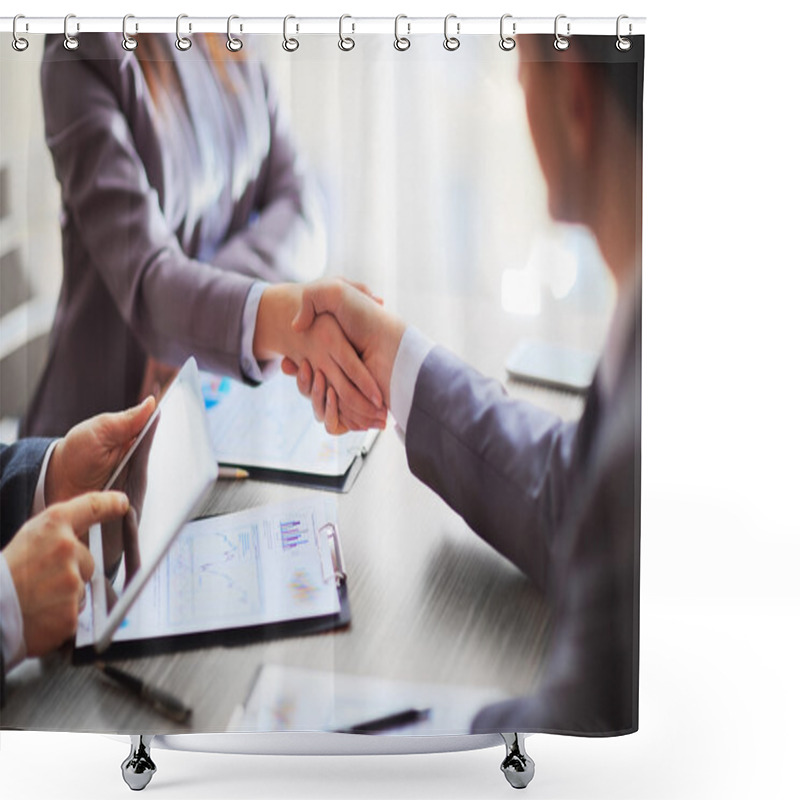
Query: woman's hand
[(374, 332)]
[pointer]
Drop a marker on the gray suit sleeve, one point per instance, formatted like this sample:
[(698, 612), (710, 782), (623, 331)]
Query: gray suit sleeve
[(502, 464), (176, 306)]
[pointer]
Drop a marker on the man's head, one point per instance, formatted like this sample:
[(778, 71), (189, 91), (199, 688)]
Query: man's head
[(583, 113)]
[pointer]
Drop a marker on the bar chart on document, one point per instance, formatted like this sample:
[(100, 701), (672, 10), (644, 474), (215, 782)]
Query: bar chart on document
[(254, 567)]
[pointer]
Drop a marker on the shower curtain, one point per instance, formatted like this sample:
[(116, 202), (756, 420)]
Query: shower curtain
[(477, 195)]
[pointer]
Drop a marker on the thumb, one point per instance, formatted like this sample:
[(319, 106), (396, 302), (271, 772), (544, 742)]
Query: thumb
[(316, 299), (306, 313), (126, 425), (288, 367)]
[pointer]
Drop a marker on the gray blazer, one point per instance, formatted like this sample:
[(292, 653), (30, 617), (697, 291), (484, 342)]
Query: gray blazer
[(170, 210), (560, 500)]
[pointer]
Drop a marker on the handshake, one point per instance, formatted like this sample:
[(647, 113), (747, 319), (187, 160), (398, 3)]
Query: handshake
[(338, 341), (345, 364)]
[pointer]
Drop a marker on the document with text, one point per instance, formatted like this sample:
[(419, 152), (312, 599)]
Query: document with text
[(271, 564), (272, 427)]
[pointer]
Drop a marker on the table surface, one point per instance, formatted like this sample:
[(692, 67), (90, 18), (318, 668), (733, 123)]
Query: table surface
[(431, 602)]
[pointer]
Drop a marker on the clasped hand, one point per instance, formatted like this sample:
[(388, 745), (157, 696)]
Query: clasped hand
[(373, 333)]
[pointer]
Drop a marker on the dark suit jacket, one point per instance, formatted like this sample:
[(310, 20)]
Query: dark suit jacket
[(561, 500), (20, 465)]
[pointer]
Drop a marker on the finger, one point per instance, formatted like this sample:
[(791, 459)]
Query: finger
[(85, 561), (357, 373), (305, 378), (318, 395), (346, 422), (332, 424), (288, 367), (359, 424), (359, 418), (84, 511), (122, 427), (351, 398), (316, 299)]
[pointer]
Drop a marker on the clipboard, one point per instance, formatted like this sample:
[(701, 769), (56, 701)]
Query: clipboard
[(270, 431), (332, 577), (341, 483)]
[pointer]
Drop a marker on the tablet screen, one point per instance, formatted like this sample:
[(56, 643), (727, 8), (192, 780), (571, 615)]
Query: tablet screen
[(165, 475)]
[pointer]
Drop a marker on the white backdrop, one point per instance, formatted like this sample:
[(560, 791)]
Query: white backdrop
[(719, 700)]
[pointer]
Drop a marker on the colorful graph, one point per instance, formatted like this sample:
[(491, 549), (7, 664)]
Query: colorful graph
[(214, 574), (294, 533), (303, 587)]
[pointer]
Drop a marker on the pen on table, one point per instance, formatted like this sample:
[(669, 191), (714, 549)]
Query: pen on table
[(160, 700), (398, 720), (232, 474)]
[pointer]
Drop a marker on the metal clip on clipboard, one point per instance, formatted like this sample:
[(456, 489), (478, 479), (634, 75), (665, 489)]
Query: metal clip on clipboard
[(330, 533)]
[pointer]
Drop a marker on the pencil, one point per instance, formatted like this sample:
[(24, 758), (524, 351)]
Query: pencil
[(232, 474)]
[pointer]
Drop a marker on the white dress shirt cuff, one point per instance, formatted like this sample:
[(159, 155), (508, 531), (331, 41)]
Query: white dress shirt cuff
[(13, 638), (251, 368), (413, 350), (39, 500)]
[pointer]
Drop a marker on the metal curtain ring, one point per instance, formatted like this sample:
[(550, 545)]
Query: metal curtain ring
[(623, 44), (346, 43), (233, 44), (506, 42), (401, 43), (70, 42), (290, 44), (128, 42), (182, 42), (18, 42), (560, 42), (451, 42)]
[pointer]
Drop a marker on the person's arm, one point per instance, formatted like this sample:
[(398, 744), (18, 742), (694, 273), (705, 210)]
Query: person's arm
[(42, 472), (589, 681), (175, 305), (20, 467), (49, 563), (504, 465)]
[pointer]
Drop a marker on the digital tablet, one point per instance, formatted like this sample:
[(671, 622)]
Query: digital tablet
[(166, 475)]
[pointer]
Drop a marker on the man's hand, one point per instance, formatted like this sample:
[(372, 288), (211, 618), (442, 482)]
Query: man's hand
[(85, 458), (322, 343), (374, 333), (50, 565)]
